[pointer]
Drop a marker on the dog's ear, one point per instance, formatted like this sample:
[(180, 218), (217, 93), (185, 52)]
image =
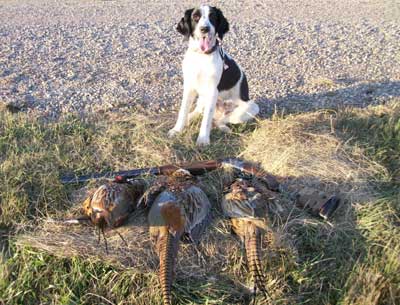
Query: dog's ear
[(222, 24), (185, 25)]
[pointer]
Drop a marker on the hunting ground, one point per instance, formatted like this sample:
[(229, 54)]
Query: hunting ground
[(89, 86)]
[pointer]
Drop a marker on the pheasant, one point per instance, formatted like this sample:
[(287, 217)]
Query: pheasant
[(178, 208), (245, 203), (111, 204)]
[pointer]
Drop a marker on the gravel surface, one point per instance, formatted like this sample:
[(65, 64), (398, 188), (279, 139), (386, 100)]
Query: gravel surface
[(79, 56)]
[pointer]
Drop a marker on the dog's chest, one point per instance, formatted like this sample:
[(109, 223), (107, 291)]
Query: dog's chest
[(201, 69)]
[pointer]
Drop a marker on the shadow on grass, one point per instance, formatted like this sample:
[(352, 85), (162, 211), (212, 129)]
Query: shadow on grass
[(342, 262), (327, 97), (222, 144), (325, 256)]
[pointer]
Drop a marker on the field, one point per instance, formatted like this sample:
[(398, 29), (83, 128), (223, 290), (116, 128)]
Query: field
[(92, 86), (353, 259)]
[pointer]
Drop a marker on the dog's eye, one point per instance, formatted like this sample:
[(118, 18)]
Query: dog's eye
[(196, 18)]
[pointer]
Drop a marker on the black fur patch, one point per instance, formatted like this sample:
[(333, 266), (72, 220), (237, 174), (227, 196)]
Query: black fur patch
[(244, 89), (219, 21), (229, 76), (185, 26)]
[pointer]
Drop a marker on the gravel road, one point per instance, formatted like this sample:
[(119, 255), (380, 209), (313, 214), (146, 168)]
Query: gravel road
[(79, 56)]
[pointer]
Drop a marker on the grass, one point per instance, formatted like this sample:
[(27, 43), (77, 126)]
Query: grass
[(352, 260)]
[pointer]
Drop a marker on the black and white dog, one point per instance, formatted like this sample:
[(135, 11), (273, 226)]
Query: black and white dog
[(211, 75)]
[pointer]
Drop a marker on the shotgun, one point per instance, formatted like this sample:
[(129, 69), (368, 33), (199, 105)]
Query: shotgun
[(195, 168)]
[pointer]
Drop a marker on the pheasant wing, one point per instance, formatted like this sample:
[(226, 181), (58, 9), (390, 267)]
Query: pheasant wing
[(197, 209)]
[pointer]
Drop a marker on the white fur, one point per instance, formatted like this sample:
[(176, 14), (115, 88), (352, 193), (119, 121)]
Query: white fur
[(201, 74)]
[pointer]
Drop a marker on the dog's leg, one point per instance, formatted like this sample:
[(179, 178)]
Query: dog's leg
[(188, 97), (220, 115), (197, 110), (209, 110)]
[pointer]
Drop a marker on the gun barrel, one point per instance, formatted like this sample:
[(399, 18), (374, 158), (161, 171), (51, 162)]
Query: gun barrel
[(108, 175)]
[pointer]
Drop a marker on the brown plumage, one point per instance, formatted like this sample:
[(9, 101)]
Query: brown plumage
[(246, 204), (177, 208), (111, 203)]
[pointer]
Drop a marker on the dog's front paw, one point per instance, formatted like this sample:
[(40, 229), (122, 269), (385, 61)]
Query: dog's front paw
[(203, 141), (172, 133)]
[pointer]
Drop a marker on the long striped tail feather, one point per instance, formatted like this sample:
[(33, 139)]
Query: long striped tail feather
[(168, 250), (253, 253)]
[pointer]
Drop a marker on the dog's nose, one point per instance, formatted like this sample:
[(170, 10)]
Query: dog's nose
[(204, 29)]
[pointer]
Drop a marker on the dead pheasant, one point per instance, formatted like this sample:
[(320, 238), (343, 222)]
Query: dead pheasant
[(110, 205), (245, 204), (178, 208)]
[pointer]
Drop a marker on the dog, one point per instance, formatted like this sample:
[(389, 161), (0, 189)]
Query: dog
[(211, 76)]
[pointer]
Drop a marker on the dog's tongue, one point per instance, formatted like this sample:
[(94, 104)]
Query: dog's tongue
[(205, 44)]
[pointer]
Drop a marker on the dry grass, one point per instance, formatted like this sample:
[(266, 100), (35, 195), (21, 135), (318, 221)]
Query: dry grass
[(306, 260), (309, 149)]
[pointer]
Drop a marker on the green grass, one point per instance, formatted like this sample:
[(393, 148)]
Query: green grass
[(353, 261)]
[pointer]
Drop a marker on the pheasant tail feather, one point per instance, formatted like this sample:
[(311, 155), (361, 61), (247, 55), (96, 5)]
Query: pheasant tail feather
[(168, 250), (253, 253)]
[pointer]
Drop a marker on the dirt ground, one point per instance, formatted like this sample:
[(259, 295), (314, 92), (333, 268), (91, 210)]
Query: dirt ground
[(85, 56)]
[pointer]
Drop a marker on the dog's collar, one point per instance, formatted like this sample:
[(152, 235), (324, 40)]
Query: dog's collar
[(221, 52)]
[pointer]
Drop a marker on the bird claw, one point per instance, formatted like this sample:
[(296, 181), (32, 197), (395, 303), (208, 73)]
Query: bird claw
[(122, 238)]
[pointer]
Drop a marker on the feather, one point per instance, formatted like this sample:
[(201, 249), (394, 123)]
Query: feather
[(247, 209), (179, 209), (111, 204)]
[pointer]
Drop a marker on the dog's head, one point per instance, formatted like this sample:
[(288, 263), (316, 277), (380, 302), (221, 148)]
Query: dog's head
[(203, 25)]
